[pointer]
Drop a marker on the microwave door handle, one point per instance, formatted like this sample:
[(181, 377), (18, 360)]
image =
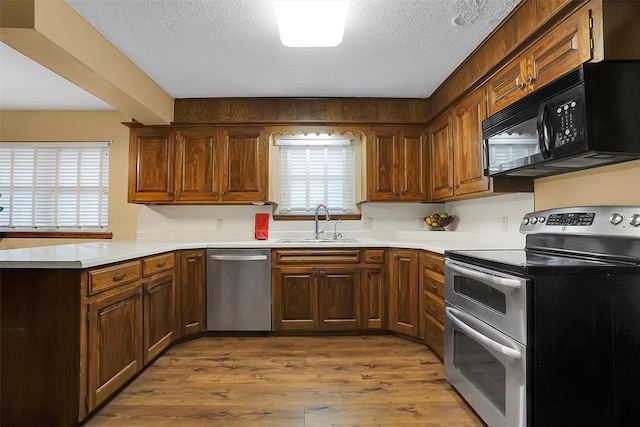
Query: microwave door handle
[(498, 281), (545, 130), (502, 349)]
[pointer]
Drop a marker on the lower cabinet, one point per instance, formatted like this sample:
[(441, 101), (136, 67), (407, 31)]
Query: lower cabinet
[(317, 298), (403, 292), (432, 314), (316, 290), (374, 297), (114, 342), (159, 308), (192, 302)]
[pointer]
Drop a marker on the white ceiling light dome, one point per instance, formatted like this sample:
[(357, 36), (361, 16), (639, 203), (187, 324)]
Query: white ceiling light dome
[(311, 23)]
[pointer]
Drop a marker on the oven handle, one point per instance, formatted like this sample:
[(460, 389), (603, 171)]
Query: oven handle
[(503, 349), (499, 281)]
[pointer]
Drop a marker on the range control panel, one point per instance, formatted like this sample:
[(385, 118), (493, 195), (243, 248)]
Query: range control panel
[(593, 220)]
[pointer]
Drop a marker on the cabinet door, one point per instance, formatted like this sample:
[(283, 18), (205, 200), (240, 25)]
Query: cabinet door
[(383, 159), (507, 86), (150, 165), (192, 292), (412, 173), (403, 292), (561, 50), (196, 168), (159, 307), (339, 301), (245, 160), (114, 343), (469, 165), (374, 297), (441, 158), (295, 299)]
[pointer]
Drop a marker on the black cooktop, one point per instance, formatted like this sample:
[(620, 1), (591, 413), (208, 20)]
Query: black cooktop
[(528, 262)]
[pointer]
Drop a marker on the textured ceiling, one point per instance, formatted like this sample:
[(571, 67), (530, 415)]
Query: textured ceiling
[(229, 48)]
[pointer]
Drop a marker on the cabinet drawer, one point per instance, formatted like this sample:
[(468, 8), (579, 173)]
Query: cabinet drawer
[(374, 256), (113, 276), (156, 264), (434, 334), (434, 286), (433, 262), (313, 256), (434, 306)]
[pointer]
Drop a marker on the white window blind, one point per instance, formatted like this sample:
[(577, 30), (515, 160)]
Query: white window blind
[(316, 173), (54, 185)]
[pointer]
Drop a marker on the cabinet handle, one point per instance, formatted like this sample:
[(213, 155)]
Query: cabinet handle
[(119, 277), (435, 267), (199, 256), (157, 288), (529, 80), (520, 85), (322, 273), (434, 287), (375, 257), (396, 256), (161, 264), (114, 306), (224, 193), (432, 308)]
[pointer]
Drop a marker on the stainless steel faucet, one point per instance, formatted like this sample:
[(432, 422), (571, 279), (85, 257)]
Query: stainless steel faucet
[(326, 211)]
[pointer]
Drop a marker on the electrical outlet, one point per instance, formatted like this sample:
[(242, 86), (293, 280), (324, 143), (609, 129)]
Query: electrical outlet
[(505, 223), (219, 224), (368, 223), (420, 222)]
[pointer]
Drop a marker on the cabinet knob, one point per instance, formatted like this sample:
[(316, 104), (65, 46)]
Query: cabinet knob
[(199, 256), (396, 256), (529, 80), (322, 273), (119, 277), (520, 85)]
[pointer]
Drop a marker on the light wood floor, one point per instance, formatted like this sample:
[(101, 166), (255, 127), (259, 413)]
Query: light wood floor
[(290, 381)]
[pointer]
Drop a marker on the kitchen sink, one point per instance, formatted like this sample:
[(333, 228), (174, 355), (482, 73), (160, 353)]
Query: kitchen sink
[(312, 240)]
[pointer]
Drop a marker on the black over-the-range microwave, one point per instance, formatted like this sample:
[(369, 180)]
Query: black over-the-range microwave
[(588, 117)]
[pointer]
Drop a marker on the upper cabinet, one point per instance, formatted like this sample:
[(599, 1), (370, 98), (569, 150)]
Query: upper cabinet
[(151, 167), (559, 51), (396, 165), (455, 146), (198, 165), (244, 169)]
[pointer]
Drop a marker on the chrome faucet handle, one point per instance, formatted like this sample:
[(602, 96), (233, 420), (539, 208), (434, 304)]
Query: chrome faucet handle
[(336, 235)]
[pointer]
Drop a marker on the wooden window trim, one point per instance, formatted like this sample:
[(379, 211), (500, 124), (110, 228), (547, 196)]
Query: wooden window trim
[(56, 235), (311, 217)]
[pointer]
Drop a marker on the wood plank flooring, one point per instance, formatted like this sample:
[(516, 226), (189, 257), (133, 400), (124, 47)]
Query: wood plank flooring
[(290, 381)]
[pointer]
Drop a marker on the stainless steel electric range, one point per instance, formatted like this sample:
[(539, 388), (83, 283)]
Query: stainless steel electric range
[(550, 335)]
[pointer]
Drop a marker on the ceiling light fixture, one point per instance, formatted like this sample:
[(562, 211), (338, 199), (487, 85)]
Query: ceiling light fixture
[(311, 23)]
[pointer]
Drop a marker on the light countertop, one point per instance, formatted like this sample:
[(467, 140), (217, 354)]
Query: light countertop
[(85, 255)]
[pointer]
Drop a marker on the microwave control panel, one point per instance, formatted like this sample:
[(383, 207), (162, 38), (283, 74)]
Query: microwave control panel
[(567, 121)]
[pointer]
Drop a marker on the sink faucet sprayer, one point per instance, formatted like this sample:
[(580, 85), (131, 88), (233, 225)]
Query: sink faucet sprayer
[(326, 211)]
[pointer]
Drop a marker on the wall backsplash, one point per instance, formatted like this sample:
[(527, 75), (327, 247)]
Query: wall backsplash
[(212, 223)]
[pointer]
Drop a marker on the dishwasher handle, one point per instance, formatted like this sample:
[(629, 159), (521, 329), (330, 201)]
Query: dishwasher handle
[(239, 257)]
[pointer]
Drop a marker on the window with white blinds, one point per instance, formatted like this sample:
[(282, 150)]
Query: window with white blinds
[(54, 185), (316, 172)]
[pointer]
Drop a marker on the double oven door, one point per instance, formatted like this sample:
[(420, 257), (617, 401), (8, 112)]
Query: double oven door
[(485, 342)]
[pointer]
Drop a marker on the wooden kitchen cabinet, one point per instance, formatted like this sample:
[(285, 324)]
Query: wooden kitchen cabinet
[(196, 168), (191, 302), (198, 165), (374, 296), (151, 166), (455, 148), (159, 303), (396, 160), (339, 303), (432, 314), (245, 166), (114, 341), (403, 291), (467, 136), (316, 289), (562, 49)]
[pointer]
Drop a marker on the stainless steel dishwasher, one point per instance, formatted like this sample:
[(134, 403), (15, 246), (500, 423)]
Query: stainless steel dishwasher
[(238, 289)]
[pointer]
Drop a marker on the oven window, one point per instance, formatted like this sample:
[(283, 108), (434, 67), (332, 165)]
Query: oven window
[(481, 369), (480, 293)]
